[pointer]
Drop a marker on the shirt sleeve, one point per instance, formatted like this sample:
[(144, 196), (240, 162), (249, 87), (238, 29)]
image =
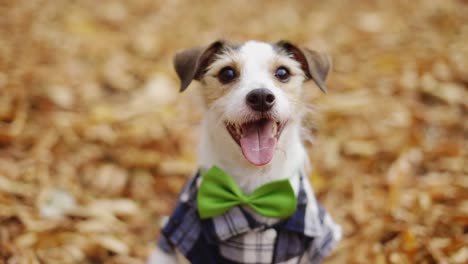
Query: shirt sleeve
[(321, 246), (165, 245), (183, 227)]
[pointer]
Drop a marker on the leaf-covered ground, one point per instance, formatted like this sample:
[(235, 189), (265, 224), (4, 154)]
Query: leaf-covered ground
[(95, 141)]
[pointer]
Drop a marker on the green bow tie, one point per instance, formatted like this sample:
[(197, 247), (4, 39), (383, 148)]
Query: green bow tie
[(218, 193)]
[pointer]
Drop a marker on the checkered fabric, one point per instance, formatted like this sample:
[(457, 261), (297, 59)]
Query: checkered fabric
[(236, 237)]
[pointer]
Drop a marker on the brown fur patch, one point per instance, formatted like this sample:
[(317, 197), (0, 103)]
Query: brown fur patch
[(212, 89)]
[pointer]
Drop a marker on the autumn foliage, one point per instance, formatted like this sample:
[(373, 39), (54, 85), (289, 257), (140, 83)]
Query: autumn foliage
[(96, 142)]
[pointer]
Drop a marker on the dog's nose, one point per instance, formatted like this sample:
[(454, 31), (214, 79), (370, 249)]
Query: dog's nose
[(260, 99)]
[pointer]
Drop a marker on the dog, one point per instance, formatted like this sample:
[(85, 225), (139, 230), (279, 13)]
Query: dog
[(252, 130)]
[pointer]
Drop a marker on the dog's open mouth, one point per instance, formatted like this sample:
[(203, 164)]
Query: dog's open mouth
[(257, 139)]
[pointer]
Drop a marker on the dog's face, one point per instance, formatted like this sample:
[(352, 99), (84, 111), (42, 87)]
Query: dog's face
[(253, 90)]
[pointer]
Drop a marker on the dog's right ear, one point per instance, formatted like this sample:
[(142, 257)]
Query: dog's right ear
[(192, 63)]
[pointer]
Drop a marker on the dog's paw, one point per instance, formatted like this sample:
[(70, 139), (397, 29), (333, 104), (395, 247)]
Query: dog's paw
[(160, 257)]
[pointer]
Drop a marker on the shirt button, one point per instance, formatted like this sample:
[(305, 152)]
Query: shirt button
[(270, 233)]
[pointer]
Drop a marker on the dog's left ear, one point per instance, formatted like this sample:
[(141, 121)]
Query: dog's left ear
[(191, 64), (315, 65)]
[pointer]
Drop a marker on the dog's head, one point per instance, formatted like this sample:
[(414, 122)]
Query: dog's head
[(254, 89)]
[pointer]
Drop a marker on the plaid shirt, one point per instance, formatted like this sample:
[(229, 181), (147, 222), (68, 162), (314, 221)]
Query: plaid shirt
[(236, 237)]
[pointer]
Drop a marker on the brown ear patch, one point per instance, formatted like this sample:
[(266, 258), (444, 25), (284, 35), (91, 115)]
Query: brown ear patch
[(192, 63), (315, 65)]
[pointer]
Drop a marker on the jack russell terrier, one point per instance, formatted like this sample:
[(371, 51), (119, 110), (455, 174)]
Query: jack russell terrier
[(251, 200)]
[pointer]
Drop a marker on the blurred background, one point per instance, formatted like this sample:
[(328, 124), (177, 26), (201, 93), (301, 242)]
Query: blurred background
[(96, 142)]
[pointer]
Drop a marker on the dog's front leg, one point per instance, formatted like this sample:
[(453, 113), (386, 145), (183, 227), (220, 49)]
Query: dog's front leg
[(160, 257)]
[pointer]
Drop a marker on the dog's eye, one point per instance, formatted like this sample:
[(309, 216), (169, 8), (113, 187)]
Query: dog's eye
[(282, 74), (227, 75)]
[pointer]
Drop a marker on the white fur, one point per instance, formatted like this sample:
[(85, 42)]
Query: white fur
[(256, 61), (158, 256)]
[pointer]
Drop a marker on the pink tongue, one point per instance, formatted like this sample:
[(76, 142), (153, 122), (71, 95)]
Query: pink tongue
[(258, 143)]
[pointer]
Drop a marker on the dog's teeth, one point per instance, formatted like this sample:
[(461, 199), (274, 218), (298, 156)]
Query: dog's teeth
[(238, 130), (275, 129)]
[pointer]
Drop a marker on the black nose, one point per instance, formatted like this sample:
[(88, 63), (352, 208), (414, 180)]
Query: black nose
[(260, 99)]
